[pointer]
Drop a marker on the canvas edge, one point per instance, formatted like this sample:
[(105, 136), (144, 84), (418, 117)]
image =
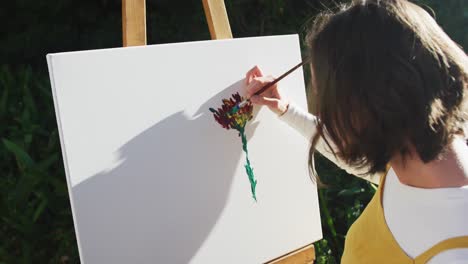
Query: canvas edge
[(172, 44), (50, 59)]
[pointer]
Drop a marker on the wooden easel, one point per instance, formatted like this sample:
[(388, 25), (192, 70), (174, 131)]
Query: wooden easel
[(134, 34)]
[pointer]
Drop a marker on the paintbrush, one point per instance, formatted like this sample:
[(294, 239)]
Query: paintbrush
[(269, 85)]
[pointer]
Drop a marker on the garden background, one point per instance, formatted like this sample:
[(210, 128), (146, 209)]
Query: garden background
[(35, 218)]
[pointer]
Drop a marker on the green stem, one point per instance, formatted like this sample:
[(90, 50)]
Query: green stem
[(248, 168)]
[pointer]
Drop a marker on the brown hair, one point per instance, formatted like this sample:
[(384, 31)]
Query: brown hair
[(386, 76)]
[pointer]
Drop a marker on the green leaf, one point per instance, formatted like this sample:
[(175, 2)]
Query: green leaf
[(351, 191), (39, 209), (3, 102), (28, 139), (25, 186), (46, 163), (28, 98), (21, 156)]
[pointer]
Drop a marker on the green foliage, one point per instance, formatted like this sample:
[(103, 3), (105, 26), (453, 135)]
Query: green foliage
[(342, 200), (35, 219)]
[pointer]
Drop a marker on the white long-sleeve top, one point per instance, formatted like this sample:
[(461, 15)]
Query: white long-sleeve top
[(418, 218)]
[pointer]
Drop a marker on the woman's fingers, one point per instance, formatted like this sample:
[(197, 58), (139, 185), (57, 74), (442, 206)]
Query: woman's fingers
[(254, 72), (262, 100), (255, 81), (253, 87), (258, 83), (276, 105)]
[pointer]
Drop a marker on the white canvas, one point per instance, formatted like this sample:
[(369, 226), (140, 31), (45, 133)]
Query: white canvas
[(154, 179)]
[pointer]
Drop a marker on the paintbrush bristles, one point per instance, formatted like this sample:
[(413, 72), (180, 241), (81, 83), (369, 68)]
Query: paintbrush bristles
[(239, 106)]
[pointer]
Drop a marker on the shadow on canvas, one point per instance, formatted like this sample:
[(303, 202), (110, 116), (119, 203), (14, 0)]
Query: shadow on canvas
[(160, 204)]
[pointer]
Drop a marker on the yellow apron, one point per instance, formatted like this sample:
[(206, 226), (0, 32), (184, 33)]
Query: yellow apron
[(370, 241)]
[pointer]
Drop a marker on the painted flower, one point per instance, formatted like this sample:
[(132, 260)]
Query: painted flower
[(237, 120)]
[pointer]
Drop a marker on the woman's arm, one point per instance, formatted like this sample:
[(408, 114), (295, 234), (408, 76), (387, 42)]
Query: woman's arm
[(306, 124)]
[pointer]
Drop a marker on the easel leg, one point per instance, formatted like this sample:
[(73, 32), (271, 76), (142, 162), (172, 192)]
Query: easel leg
[(134, 22)]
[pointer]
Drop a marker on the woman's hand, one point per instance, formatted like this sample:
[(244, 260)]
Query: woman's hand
[(272, 98)]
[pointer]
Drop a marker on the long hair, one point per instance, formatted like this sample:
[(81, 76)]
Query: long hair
[(386, 77)]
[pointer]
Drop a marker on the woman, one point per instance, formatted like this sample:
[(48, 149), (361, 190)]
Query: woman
[(391, 92)]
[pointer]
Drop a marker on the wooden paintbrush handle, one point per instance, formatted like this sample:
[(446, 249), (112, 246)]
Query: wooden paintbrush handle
[(281, 77)]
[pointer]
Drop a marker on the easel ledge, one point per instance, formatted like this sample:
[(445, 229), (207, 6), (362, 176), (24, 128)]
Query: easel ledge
[(134, 34)]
